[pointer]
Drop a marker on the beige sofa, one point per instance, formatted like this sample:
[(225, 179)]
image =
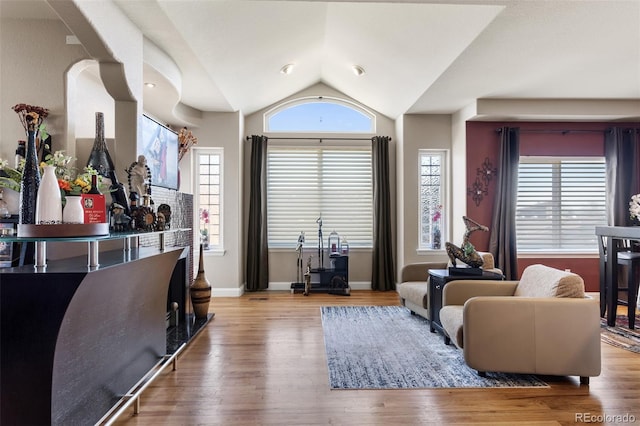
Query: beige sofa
[(414, 285), (542, 324)]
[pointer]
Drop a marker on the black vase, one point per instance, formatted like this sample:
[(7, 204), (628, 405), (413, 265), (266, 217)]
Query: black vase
[(99, 158), (30, 181)]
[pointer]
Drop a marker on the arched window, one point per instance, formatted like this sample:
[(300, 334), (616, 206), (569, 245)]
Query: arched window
[(319, 114)]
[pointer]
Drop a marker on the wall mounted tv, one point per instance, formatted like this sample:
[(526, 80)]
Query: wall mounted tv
[(160, 148)]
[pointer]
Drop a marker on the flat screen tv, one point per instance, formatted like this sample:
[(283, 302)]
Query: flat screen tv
[(160, 148)]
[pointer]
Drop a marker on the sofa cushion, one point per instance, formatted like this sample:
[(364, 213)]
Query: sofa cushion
[(451, 317), (416, 292), (544, 281)]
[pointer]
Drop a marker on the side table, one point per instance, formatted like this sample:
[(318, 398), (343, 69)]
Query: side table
[(438, 278)]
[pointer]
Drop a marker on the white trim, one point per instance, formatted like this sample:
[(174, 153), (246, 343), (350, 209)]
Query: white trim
[(444, 179), (227, 292), (278, 286), (217, 250), (214, 252), (286, 286), (430, 252), (565, 255)]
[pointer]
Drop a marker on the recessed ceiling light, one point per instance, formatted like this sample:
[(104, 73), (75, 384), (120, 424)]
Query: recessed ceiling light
[(357, 70), (150, 85), (287, 69)]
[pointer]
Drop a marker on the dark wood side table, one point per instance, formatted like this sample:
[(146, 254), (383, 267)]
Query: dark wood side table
[(438, 278)]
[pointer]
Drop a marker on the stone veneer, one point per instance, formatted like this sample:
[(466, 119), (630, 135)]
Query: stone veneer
[(181, 218)]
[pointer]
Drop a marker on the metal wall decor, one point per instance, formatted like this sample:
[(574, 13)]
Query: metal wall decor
[(480, 187)]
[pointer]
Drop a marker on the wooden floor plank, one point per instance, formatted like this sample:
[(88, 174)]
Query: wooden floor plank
[(261, 361)]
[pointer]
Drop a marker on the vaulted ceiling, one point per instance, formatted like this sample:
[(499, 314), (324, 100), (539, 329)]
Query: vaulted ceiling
[(419, 56)]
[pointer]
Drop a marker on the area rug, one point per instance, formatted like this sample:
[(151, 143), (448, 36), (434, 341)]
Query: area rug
[(385, 347), (620, 335)]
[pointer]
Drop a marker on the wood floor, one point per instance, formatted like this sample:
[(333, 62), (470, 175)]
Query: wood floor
[(261, 361)]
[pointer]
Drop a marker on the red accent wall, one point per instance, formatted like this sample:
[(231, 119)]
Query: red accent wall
[(583, 139)]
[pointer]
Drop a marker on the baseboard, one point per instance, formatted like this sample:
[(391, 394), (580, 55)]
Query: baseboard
[(227, 292), (278, 286), (281, 286)]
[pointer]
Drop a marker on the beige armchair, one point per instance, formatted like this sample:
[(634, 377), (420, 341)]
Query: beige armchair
[(414, 283), (542, 324)]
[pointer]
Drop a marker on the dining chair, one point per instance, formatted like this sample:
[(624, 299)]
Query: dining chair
[(629, 258)]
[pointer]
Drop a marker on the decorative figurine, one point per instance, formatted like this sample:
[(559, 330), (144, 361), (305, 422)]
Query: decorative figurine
[(165, 209), (161, 222), (307, 278), (299, 262), (120, 220), (139, 177), (320, 245), (466, 252)]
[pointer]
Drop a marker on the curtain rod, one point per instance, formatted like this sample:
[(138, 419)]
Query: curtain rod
[(319, 139)]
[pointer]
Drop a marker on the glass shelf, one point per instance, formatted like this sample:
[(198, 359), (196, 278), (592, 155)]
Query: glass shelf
[(92, 240)]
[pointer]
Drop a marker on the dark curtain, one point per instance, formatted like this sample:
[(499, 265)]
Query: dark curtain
[(383, 274), (257, 247), (621, 157), (502, 242)]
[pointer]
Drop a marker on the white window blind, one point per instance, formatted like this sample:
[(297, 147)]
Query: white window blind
[(560, 202), (306, 183)]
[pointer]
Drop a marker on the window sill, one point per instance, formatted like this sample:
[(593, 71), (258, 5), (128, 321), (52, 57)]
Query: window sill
[(214, 252), (557, 255), (431, 252)]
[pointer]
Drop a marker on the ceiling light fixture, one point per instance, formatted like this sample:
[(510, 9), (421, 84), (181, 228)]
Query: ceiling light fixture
[(287, 69), (357, 70), (150, 85)]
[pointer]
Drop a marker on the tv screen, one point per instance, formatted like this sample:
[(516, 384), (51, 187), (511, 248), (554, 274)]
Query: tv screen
[(160, 148)]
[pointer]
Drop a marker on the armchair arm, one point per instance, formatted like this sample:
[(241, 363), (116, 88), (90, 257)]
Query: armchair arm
[(554, 336), (459, 291), (419, 271)]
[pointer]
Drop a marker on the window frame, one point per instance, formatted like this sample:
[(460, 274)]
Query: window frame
[(217, 249), (444, 199), (552, 250), (317, 99)]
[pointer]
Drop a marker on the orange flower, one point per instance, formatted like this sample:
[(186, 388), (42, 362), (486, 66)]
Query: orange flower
[(64, 185)]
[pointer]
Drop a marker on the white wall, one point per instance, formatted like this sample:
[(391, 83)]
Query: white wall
[(34, 57), (222, 130), (109, 37), (419, 132)]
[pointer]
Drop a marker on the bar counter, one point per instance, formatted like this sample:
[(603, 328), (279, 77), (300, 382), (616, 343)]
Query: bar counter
[(74, 338)]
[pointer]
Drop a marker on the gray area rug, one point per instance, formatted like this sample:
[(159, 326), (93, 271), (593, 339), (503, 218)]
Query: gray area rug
[(385, 347)]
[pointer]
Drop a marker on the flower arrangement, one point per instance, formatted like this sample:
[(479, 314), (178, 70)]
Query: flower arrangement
[(31, 115), (437, 214), (634, 207), (204, 217), (186, 139), (69, 181), (204, 232)]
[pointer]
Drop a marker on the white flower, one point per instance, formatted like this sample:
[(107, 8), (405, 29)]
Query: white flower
[(634, 207)]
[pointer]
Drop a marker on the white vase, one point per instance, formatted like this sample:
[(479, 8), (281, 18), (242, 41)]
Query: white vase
[(49, 201), (73, 211)]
